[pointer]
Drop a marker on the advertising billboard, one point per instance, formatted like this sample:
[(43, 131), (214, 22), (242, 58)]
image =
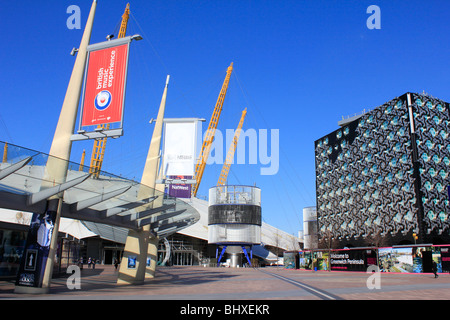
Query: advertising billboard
[(290, 260), (445, 259), (352, 260), (179, 148), (181, 138), (398, 260), (401, 259), (104, 83), (37, 247)]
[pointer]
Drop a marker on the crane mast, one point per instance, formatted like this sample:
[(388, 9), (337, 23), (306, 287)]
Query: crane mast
[(226, 166), (98, 150), (206, 147)]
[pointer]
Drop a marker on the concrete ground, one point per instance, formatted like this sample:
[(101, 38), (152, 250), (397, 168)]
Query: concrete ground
[(272, 283)]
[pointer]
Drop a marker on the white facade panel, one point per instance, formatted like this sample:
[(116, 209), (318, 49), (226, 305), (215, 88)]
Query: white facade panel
[(237, 233)]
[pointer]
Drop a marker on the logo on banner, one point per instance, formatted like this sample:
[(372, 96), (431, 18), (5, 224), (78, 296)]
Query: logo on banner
[(103, 100)]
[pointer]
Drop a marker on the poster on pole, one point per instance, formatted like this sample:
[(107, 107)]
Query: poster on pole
[(36, 251), (179, 147), (104, 83), (181, 140)]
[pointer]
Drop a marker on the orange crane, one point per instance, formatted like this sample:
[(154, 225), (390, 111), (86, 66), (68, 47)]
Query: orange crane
[(98, 150), (206, 147), (226, 166)]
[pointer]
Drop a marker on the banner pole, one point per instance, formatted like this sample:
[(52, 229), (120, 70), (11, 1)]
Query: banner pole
[(55, 173)]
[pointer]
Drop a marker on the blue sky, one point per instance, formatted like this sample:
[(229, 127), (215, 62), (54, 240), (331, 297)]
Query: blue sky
[(299, 66)]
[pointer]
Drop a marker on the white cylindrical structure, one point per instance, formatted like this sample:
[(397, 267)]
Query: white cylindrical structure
[(234, 215), (310, 228), (234, 219)]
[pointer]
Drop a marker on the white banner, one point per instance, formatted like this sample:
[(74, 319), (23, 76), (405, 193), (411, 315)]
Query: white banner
[(180, 147)]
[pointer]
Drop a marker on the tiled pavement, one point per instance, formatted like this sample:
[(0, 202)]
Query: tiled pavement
[(198, 283)]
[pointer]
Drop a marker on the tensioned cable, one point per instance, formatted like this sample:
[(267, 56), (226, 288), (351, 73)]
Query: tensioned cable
[(166, 69), (282, 150), (6, 129), (151, 45), (163, 64), (271, 177)]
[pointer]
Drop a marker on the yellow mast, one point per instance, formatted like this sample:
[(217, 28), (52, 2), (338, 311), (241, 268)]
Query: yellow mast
[(226, 166), (98, 150), (83, 155), (5, 153), (206, 147)]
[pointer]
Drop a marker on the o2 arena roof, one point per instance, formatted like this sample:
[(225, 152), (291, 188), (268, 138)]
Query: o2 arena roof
[(109, 205)]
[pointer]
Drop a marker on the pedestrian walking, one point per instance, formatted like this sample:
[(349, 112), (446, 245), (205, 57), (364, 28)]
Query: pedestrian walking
[(89, 262), (435, 269), (116, 263), (93, 263)]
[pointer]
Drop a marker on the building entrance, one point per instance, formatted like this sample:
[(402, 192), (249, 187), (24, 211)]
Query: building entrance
[(110, 254), (179, 253)]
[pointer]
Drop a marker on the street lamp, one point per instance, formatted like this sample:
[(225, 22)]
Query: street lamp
[(136, 37)]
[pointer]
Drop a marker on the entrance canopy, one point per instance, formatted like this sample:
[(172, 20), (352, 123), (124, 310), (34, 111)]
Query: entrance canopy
[(107, 199)]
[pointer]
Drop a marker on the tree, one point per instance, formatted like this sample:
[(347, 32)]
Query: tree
[(376, 239), (327, 241), (294, 243)]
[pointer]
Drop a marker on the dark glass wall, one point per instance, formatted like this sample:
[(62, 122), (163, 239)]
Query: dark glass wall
[(12, 243), (234, 213)]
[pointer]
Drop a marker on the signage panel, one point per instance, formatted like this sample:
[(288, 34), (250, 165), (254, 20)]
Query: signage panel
[(180, 190), (352, 260), (37, 247), (179, 148), (104, 88), (445, 259)]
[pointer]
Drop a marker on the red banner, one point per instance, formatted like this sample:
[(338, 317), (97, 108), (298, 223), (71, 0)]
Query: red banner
[(105, 86)]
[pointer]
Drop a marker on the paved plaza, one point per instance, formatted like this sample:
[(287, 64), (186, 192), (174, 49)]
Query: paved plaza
[(272, 283)]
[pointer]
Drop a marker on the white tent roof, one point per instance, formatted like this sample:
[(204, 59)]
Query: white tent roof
[(269, 235), (73, 227)]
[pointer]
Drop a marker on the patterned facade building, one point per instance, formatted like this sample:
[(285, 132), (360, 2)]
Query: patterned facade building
[(383, 174)]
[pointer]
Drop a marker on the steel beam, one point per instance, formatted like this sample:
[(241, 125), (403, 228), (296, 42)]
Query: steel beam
[(13, 168), (47, 193), (80, 205), (161, 217), (146, 213), (126, 207)]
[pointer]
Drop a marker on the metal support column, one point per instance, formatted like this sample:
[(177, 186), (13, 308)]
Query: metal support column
[(221, 255), (246, 255)]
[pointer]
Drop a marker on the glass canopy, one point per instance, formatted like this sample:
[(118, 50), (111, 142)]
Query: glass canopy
[(26, 183)]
